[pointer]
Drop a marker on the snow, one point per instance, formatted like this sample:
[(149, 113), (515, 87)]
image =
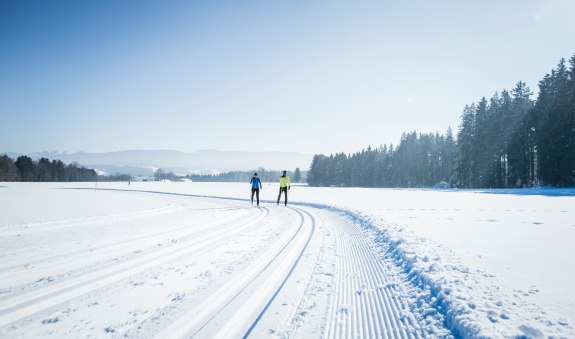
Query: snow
[(81, 259)]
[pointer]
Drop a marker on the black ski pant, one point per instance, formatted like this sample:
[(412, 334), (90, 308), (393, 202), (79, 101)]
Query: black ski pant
[(257, 192), (283, 189)]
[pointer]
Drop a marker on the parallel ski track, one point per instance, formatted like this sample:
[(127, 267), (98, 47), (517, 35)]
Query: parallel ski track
[(296, 262), (365, 305), (110, 249), (258, 272), (16, 307), (53, 225), (195, 320)]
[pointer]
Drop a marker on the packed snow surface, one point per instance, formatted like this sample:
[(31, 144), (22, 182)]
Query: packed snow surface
[(198, 260)]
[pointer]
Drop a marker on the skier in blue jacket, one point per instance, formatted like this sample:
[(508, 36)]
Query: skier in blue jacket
[(256, 186)]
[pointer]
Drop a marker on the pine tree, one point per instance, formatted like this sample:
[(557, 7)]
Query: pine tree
[(44, 170), (448, 153), (569, 121), (297, 175), (520, 146), (315, 173), (58, 170), (465, 148), (8, 170), (550, 133), (26, 167)]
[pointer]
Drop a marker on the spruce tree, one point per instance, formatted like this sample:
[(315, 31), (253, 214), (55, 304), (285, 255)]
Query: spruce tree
[(26, 167), (297, 175), (8, 170), (465, 148)]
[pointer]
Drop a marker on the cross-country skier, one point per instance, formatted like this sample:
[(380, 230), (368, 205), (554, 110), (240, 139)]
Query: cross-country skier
[(284, 187), (256, 186)]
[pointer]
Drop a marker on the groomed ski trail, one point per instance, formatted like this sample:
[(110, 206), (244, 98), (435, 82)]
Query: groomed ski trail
[(366, 304), (25, 304), (313, 275)]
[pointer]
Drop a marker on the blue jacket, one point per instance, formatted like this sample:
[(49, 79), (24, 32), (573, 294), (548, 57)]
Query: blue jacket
[(256, 183)]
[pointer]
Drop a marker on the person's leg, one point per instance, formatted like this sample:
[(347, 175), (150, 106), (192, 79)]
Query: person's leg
[(285, 190), (279, 196), (253, 191), (282, 190), (258, 195)]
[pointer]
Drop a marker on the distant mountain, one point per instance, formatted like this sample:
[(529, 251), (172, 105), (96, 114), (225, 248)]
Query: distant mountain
[(145, 162)]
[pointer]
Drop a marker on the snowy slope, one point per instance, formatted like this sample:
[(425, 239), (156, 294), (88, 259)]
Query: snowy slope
[(337, 263)]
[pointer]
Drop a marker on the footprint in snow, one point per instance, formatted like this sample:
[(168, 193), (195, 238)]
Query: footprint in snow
[(530, 332), (344, 310), (50, 321), (492, 316)]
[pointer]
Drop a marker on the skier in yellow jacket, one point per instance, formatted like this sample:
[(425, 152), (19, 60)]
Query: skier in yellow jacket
[(284, 187)]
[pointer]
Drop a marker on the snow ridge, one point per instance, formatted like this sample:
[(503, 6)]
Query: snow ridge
[(446, 287)]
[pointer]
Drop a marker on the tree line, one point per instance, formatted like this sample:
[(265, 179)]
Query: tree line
[(44, 170), (420, 160), (245, 176), (26, 169), (507, 141)]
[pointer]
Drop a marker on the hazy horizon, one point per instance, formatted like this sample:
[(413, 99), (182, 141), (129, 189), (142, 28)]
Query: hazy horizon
[(149, 150), (321, 77)]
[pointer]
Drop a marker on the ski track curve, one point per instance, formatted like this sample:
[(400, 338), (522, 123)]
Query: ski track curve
[(361, 294), (15, 307), (50, 259), (291, 269), (267, 274), (54, 225)]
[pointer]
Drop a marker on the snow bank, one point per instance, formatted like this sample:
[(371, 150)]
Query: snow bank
[(469, 301)]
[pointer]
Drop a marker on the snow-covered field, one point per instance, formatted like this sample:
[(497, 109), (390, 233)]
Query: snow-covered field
[(170, 260)]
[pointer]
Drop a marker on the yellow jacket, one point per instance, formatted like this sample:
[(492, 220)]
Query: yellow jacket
[(284, 181)]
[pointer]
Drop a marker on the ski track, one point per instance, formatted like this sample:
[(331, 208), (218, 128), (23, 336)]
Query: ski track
[(263, 275), (22, 305), (319, 271), (366, 305), (55, 225), (51, 259)]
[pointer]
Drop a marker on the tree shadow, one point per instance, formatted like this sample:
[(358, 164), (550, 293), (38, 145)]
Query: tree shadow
[(549, 192)]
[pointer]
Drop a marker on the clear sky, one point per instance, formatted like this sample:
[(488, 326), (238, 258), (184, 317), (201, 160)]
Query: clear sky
[(304, 76)]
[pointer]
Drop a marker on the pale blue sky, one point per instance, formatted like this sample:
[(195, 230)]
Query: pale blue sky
[(304, 76)]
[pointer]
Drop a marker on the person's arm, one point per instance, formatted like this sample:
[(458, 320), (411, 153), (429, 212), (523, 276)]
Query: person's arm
[(289, 183), (260, 181)]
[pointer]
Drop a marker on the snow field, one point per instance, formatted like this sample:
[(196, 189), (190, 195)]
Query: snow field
[(500, 261), (189, 259), (66, 285)]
